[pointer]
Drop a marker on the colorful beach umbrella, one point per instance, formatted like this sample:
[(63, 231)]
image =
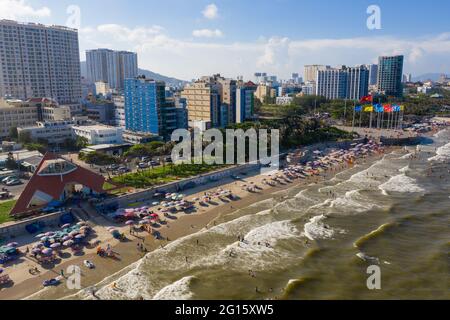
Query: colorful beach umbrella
[(12, 244), (65, 226), (68, 243), (129, 222), (80, 236), (40, 235), (47, 251), (55, 245)]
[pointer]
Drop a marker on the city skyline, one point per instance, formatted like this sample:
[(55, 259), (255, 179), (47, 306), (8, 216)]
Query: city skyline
[(177, 39)]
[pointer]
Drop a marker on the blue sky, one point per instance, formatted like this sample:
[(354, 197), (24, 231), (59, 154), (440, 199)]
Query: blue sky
[(191, 38)]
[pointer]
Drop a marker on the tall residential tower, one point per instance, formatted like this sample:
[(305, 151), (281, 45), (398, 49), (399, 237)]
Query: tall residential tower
[(112, 67), (39, 61)]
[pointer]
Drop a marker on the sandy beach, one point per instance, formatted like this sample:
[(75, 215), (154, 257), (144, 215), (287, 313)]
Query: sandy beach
[(127, 252)]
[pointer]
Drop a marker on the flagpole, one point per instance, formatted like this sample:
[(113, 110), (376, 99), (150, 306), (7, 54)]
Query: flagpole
[(353, 121), (360, 118), (345, 111)]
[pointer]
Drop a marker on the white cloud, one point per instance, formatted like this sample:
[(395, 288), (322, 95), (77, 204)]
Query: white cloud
[(21, 10), (188, 58), (207, 33), (211, 11)]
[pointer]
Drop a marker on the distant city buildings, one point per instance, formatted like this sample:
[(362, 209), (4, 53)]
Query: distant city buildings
[(111, 67), (39, 61), (390, 72)]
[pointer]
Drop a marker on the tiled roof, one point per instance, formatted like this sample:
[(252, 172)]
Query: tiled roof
[(54, 185)]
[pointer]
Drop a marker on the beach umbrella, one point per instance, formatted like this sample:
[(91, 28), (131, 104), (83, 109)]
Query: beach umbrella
[(144, 222), (81, 223), (49, 234), (36, 250), (155, 203), (40, 235), (47, 251), (74, 233), (55, 245), (129, 222), (80, 236), (66, 238), (65, 226), (12, 244), (44, 239), (68, 243)]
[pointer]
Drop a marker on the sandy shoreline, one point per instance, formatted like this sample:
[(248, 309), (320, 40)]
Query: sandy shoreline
[(184, 225)]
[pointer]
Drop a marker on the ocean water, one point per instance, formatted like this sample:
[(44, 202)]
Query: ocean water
[(317, 242)]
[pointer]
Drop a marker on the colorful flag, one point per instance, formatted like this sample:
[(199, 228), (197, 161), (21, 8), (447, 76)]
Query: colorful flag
[(366, 99), (402, 108), (378, 108), (368, 109), (387, 108), (396, 108), (358, 108)]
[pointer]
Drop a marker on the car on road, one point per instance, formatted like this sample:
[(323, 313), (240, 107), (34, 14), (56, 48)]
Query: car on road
[(13, 182), (123, 170), (112, 167), (142, 165), (153, 163), (9, 178)]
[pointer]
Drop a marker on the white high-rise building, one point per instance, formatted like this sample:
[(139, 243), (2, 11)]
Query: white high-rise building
[(343, 83), (112, 67), (332, 83), (39, 61)]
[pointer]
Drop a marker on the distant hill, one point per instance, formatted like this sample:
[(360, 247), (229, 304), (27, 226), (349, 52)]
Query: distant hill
[(149, 74), (428, 76), (156, 76)]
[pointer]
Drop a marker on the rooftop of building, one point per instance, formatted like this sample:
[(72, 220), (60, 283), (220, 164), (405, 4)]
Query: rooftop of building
[(95, 127), (33, 24)]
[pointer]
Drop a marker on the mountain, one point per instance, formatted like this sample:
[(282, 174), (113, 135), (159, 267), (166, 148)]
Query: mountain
[(159, 77), (147, 73), (428, 76)]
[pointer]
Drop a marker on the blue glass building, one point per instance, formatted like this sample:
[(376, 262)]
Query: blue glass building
[(146, 108)]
